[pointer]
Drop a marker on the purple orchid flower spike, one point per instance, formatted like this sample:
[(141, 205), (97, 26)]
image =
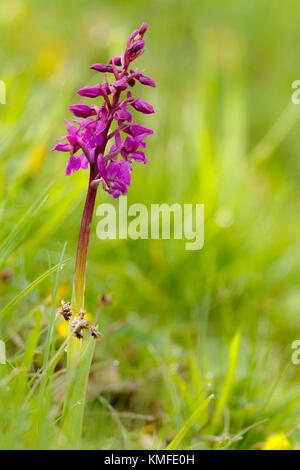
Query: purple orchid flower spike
[(91, 135), (105, 139)]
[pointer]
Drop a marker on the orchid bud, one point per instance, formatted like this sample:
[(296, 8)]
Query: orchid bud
[(120, 84), (143, 29), (143, 107), (89, 92), (137, 45), (101, 68), (82, 110), (146, 81)]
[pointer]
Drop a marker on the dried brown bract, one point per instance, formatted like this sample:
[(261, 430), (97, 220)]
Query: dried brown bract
[(65, 310), (78, 324)]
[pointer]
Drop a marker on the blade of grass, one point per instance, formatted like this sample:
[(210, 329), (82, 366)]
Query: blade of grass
[(14, 238), (189, 423), (232, 363), (26, 362), (2, 353), (239, 435), (276, 134), (50, 367), (114, 414), (31, 286), (52, 318), (75, 400)]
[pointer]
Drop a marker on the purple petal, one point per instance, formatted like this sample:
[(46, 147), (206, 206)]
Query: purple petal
[(73, 164), (112, 170), (137, 45), (82, 110), (147, 81), (102, 168), (70, 127), (120, 84), (62, 147), (89, 91), (122, 115), (138, 129), (125, 172), (100, 126), (139, 156), (130, 144), (116, 61), (101, 68), (143, 107), (134, 34), (72, 139), (84, 162), (99, 139), (143, 29)]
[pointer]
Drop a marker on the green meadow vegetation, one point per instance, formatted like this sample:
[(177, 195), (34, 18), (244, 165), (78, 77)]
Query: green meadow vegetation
[(196, 348)]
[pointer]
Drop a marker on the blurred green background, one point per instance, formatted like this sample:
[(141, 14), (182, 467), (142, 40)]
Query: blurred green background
[(226, 135)]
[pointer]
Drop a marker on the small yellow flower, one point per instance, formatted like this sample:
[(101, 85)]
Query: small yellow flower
[(36, 157), (277, 441), (50, 59), (62, 326)]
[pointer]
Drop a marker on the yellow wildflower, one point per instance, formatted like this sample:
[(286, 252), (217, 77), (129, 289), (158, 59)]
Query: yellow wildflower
[(36, 157), (277, 441), (50, 59)]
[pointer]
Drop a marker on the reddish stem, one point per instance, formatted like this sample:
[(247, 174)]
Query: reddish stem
[(82, 250)]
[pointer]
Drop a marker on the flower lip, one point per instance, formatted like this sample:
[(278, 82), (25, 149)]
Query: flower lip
[(73, 165)]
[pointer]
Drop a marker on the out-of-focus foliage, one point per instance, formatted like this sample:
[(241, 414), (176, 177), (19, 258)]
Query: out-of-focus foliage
[(184, 324)]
